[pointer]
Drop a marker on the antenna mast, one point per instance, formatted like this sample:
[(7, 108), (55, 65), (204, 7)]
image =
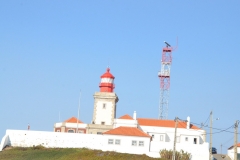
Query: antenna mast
[(59, 116), (78, 110), (164, 76)]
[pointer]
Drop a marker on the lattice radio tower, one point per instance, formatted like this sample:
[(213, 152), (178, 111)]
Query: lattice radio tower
[(164, 76)]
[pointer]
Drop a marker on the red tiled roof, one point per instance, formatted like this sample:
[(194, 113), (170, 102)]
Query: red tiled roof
[(126, 116), (238, 145), (73, 120), (127, 131), (163, 123)]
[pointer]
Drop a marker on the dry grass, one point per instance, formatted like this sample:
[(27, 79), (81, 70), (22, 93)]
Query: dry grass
[(41, 153)]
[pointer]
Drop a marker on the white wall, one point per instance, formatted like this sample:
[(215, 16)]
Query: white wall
[(169, 133), (24, 138), (71, 125), (125, 123), (126, 144), (4, 142), (157, 136), (198, 152), (104, 115), (231, 152)]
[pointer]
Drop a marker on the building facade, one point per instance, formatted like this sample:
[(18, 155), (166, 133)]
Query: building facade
[(230, 152), (71, 125)]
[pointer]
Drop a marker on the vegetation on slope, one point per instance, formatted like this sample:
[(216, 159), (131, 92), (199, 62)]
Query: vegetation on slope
[(168, 154), (41, 153)]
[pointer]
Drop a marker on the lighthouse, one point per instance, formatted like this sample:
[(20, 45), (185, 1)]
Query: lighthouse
[(107, 82), (105, 104)]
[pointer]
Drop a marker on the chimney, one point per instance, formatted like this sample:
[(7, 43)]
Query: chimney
[(188, 122), (134, 115)]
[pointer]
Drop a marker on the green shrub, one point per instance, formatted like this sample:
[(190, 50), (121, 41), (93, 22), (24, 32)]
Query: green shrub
[(38, 147)]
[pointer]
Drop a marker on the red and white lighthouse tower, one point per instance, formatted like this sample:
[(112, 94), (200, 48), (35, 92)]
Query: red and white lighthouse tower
[(107, 82), (105, 103)]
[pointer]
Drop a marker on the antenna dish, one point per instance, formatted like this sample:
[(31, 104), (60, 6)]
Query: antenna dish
[(168, 45)]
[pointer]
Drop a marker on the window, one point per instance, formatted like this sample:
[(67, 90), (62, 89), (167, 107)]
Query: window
[(186, 138), (70, 131), (102, 123), (161, 137), (80, 131), (99, 132), (152, 136), (58, 130), (104, 106), (117, 141), (106, 80), (141, 143), (134, 143), (110, 141), (178, 139), (195, 141)]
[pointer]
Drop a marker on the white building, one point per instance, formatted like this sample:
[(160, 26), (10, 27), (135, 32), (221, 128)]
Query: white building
[(71, 125), (189, 137), (128, 139), (125, 134), (230, 152)]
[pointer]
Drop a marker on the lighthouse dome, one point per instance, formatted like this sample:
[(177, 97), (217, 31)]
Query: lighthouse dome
[(107, 74)]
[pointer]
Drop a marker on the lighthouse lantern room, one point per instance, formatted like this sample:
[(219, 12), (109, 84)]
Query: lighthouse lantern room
[(107, 82)]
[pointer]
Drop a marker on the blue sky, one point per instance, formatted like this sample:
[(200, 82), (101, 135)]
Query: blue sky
[(50, 50)]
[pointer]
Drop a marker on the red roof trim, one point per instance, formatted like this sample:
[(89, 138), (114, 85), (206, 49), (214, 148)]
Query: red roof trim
[(163, 123), (127, 131), (126, 116), (73, 120), (238, 145)]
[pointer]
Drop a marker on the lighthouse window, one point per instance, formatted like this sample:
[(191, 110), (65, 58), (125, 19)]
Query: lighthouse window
[(106, 80), (104, 105)]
